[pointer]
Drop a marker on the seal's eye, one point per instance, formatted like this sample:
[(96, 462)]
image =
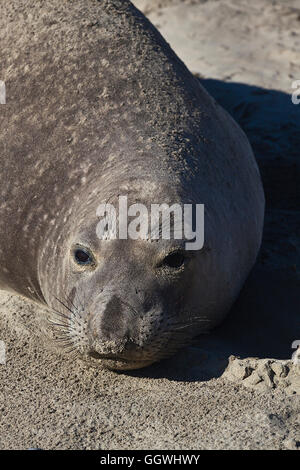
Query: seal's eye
[(174, 260), (83, 257)]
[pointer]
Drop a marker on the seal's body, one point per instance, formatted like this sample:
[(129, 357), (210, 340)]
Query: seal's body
[(98, 106)]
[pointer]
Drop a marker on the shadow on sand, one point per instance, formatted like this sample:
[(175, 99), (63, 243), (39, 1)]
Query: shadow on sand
[(265, 320)]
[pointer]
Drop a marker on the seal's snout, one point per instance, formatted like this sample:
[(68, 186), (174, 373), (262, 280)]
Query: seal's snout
[(120, 333)]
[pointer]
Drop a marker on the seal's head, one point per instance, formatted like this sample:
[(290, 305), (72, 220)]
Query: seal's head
[(128, 306), (123, 303)]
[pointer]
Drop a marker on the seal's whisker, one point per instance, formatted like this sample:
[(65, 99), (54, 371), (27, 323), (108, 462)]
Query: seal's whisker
[(40, 297), (60, 318), (72, 351), (180, 325), (183, 326), (64, 341), (60, 314), (65, 345), (201, 319), (62, 303), (69, 322), (76, 312), (72, 318), (68, 299), (61, 325), (79, 312), (64, 333)]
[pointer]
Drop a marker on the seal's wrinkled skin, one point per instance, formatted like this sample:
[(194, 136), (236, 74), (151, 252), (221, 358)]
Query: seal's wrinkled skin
[(98, 105)]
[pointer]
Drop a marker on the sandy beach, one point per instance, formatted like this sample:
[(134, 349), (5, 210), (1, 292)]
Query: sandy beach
[(238, 387)]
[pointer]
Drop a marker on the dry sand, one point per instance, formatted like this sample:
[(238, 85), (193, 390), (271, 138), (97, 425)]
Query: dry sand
[(247, 54)]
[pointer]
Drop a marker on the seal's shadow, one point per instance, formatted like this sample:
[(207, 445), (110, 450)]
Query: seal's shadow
[(265, 320)]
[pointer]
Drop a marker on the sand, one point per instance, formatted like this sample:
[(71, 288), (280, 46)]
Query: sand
[(236, 388)]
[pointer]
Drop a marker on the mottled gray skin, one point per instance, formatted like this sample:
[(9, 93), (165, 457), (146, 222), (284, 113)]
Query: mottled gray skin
[(98, 105)]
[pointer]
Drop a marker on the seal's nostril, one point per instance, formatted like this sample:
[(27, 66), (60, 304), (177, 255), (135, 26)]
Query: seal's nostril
[(94, 354)]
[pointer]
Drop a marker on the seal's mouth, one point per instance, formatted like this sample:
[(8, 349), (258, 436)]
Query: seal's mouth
[(111, 357), (99, 345)]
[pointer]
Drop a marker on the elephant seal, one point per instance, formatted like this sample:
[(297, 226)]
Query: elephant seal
[(98, 106)]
